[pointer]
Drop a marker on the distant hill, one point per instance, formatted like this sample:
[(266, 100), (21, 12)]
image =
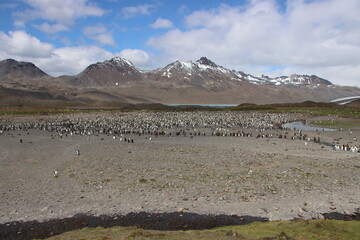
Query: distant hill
[(13, 70)]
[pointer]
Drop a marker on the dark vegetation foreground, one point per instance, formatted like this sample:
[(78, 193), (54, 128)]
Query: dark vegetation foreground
[(279, 230)]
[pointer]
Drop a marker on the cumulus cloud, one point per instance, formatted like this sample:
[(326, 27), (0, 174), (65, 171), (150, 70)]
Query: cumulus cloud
[(21, 44), (161, 23), (138, 57), (307, 35), (132, 11), (72, 60), (100, 34), (64, 12)]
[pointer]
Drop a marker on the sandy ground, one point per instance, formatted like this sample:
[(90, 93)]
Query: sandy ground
[(266, 177)]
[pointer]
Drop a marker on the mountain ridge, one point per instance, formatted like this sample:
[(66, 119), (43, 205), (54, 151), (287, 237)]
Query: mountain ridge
[(202, 64), (201, 81)]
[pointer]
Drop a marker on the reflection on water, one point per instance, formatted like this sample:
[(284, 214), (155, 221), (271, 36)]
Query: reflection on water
[(303, 127)]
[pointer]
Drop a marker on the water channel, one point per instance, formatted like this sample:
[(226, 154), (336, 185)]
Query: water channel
[(301, 126)]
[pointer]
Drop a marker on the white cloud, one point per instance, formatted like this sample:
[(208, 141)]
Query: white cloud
[(21, 44), (92, 30), (132, 11), (99, 33), (138, 57), (64, 12), (72, 60), (52, 28), (319, 35), (161, 23), (105, 39)]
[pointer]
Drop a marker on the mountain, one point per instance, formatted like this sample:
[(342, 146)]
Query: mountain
[(206, 74), (114, 72), (23, 83), (118, 81), (14, 70), (294, 79), (202, 74)]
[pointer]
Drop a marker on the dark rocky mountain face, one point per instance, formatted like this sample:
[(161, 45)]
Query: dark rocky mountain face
[(205, 61), (12, 69)]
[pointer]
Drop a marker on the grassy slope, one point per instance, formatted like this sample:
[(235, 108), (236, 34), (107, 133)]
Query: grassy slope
[(286, 230)]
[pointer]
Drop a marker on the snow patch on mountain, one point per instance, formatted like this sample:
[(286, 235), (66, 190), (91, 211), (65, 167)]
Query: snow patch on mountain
[(295, 80), (191, 67), (121, 62)]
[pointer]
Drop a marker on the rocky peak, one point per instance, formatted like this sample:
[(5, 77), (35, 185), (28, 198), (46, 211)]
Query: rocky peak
[(120, 62), (17, 69), (10, 61), (116, 63), (206, 61), (14, 63)]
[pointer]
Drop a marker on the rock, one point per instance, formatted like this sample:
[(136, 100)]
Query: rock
[(201, 199), (182, 210), (223, 198)]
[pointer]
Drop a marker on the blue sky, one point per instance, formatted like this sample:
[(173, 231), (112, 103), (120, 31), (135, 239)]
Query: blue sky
[(271, 37)]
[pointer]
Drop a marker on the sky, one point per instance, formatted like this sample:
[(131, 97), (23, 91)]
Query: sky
[(270, 37)]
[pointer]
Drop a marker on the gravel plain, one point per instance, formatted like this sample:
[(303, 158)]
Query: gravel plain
[(257, 173)]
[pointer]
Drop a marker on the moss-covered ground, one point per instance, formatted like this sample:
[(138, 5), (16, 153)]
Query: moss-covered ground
[(284, 230)]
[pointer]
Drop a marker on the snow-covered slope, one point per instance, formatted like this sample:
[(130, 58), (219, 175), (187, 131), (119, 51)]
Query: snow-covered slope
[(293, 79), (189, 68)]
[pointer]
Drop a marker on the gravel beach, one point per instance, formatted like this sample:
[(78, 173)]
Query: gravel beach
[(255, 172)]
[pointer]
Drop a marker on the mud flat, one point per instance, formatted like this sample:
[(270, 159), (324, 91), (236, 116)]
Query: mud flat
[(266, 178)]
